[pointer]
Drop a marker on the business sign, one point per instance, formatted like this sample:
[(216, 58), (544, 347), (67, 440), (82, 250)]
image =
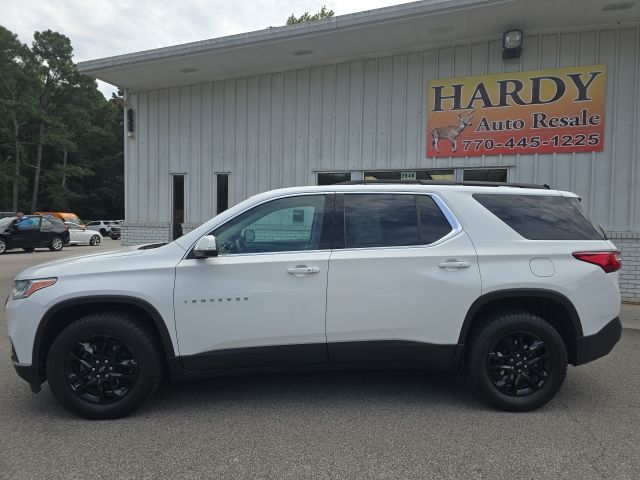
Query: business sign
[(542, 111)]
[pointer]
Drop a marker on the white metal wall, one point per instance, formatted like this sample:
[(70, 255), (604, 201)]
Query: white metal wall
[(278, 129)]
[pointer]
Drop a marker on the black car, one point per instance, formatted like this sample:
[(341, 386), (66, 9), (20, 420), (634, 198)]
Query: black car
[(32, 231), (116, 231)]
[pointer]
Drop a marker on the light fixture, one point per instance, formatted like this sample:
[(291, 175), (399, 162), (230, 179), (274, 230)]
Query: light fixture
[(189, 70), (130, 126), (512, 44), (299, 53)]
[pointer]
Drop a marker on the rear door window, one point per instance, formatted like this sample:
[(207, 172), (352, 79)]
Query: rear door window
[(540, 217), (433, 224), (380, 220)]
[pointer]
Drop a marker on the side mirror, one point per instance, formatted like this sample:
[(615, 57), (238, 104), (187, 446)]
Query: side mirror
[(248, 235), (206, 247)]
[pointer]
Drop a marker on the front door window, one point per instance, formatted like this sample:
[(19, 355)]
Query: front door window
[(283, 225)]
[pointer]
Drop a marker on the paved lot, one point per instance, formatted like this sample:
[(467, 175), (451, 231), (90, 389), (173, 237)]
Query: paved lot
[(327, 425)]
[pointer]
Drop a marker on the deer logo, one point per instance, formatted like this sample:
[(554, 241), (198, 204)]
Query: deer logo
[(451, 132)]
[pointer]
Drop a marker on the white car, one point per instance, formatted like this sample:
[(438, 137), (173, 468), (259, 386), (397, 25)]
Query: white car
[(509, 284), (102, 226), (82, 236)]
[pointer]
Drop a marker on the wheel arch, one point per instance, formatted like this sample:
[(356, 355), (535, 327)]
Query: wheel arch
[(554, 307), (63, 314)]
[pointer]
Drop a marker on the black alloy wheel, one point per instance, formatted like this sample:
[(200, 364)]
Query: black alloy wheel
[(101, 369), (516, 361), (104, 365), (519, 364)]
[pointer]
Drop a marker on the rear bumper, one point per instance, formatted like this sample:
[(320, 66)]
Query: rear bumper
[(594, 346)]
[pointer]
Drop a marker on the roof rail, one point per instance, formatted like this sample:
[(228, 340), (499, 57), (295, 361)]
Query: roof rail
[(447, 182)]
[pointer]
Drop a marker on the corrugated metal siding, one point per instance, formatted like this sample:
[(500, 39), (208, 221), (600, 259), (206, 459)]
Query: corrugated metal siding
[(278, 129)]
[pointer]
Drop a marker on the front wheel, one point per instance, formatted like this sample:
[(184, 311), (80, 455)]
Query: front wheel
[(517, 362), (3, 246), (56, 244), (104, 365), (95, 240)]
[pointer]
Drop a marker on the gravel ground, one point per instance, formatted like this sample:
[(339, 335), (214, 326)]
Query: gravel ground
[(348, 425)]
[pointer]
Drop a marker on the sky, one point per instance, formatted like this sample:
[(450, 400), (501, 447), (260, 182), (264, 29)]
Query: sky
[(99, 28)]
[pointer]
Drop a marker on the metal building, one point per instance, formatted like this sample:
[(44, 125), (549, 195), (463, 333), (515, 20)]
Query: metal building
[(213, 122)]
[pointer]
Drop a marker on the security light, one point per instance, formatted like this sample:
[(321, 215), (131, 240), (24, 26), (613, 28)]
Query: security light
[(511, 44)]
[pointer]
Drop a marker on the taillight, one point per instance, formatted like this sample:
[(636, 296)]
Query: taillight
[(608, 261)]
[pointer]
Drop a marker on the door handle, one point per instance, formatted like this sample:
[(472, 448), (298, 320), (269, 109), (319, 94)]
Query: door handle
[(302, 270), (454, 264)]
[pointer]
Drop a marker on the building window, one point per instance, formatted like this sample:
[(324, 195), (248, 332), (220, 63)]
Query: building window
[(410, 175), (177, 217), (331, 178), (222, 192), (485, 175)]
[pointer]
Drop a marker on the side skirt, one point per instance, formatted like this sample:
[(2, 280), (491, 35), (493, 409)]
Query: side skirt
[(375, 355)]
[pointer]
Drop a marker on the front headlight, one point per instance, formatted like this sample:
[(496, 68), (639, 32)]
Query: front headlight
[(25, 288)]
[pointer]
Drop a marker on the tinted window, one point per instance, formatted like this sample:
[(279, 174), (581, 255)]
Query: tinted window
[(380, 220), (285, 224), (29, 223), (333, 178), (433, 224), (46, 222), (540, 217), (485, 175)]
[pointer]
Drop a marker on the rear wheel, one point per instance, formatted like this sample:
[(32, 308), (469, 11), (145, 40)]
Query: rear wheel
[(56, 244), (95, 240), (103, 366), (103, 232), (3, 246), (517, 362)]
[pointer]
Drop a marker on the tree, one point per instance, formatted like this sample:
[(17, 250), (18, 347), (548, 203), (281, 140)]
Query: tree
[(322, 14), (58, 79), (54, 120), (17, 104)]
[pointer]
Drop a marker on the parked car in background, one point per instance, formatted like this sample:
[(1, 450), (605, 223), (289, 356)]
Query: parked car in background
[(102, 226), (62, 216), (116, 230), (31, 232), (79, 235)]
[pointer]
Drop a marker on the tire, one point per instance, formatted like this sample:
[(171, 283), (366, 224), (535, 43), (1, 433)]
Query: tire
[(502, 346), (103, 232), (3, 246), (95, 240), (56, 244), (136, 362)]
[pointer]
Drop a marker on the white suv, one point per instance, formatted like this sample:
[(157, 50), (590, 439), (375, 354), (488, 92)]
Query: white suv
[(510, 284)]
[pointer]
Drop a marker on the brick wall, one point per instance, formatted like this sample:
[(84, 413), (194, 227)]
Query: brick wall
[(135, 233), (629, 245)]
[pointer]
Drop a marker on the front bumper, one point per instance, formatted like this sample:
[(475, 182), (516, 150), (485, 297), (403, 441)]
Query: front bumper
[(594, 346)]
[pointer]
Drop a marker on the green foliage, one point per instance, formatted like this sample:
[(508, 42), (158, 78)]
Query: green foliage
[(322, 14), (45, 102)]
